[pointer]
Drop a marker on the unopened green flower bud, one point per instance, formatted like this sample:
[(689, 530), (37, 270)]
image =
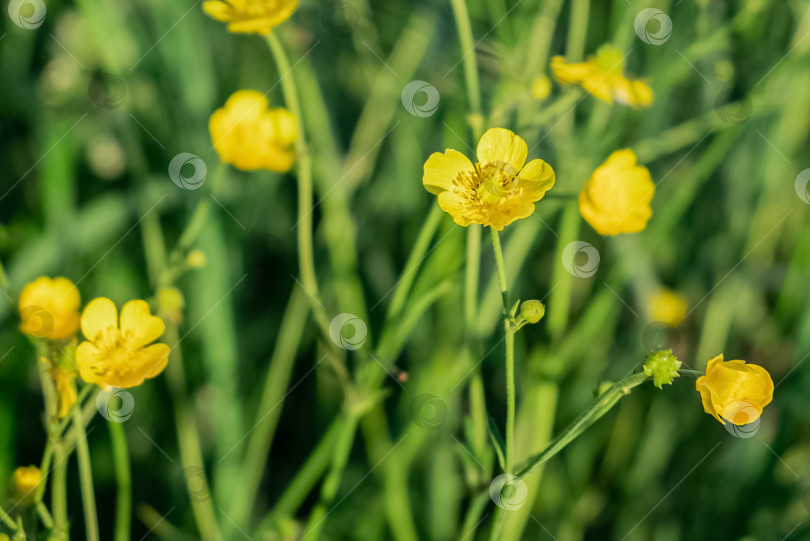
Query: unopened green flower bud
[(532, 311), (662, 366)]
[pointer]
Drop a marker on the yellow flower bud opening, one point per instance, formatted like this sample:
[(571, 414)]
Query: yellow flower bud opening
[(734, 391), (617, 197), (26, 481), (49, 308)]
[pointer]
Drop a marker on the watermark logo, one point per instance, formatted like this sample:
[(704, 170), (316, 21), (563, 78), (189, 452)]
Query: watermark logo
[(180, 174), (508, 491), (573, 255), (107, 91), (115, 405), (800, 185), (28, 14), (192, 479), (348, 331), (743, 413), (36, 321), (428, 98), (658, 335), (653, 26), (732, 112), (340, 18), (428, 411)]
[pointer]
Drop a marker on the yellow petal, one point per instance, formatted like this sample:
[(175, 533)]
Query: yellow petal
[(217, 10), (442, 169), (502, 145), (538, 177), (567, 74), (98, 316), (138, 322), (158, 357), (455, 206), (87, 360)]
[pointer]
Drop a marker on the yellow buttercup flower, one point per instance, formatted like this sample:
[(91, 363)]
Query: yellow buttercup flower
[(26, 481), (668, 307), (497, 190), (734, 391), (250, 136), (49, 308), (617, 197), (250, 16), (120, 356), (602, 75)]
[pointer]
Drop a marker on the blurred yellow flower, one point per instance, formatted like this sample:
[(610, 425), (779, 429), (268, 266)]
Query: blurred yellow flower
[(250, 136), (497, 190), (26, 481), (734, 391), (617, 197), (49, 308), (541, 87), (250, 16), (668, 307), (64, 389), (602, 75), (120, 356)]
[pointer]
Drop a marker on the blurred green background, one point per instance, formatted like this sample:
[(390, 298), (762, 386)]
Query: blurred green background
[(96, 101)]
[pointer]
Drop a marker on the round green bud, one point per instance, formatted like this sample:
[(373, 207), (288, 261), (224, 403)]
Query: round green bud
[(532, 311), (663, 366)]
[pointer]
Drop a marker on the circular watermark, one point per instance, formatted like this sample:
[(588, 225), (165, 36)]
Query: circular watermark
[(658, 335), (348, 331), (340, 18), (572, 259), (37, 321), (508, 491), (428, 411), (732, 112), (800, 185), (28, 14), (745, 414), (653, 26), (115, 405), (188, 180), (192, 479), (107, 91), (418, 88)]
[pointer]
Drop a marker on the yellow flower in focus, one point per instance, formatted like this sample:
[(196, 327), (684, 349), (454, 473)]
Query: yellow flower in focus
[(250, 16), (26, 481), (734, 391), (120, 356), (250, 136), (63, 378), (497, 190), (49, 308), (617, 197), (602, 75), (668, 307)]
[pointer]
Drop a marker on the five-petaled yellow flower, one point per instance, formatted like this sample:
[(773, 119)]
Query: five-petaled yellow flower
[(602, 75), (668, 307), (250, 16), (250, 136), (49, 308), (120, 355), (734, 391), (26, 482), (497, 190), (617, 197)]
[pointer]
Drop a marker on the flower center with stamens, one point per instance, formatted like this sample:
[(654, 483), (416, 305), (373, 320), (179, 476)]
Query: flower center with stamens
[(496, 181)]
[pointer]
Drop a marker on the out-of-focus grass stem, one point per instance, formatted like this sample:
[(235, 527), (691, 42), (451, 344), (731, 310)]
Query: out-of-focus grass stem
[(123, 479), (85, 477)]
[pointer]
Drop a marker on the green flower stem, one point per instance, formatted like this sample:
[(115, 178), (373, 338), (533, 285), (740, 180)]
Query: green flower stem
[(201, 211), (417, 255), (510, 352), (85, 477), (123, 478), (59, 491), (7, 520), (332, 481), (306, 258), (44, 515), (473, 85), (275, 388), (601, 406)]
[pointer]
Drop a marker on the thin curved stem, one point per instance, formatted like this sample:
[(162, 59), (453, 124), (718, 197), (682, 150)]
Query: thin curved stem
[(85, 477)]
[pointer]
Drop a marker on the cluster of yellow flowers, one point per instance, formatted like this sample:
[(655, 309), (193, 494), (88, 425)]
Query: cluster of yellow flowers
[(115, 353)]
